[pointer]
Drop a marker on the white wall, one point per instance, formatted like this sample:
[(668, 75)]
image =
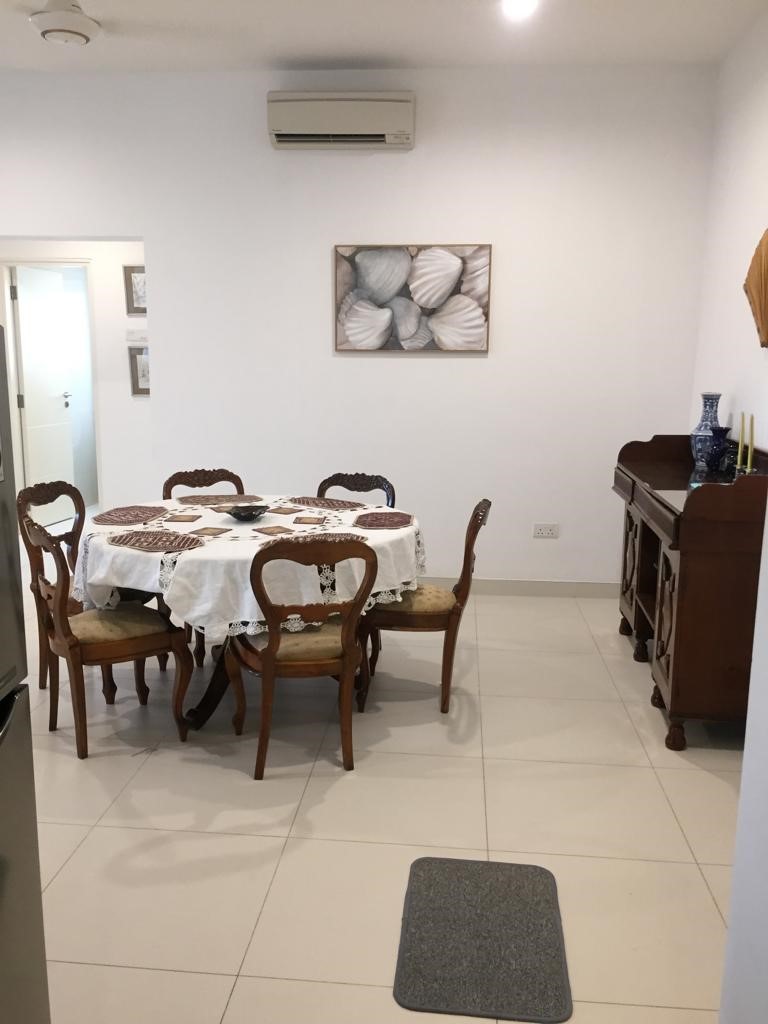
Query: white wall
[(729, 357), (591, 186), (730, 360), (122, 422)]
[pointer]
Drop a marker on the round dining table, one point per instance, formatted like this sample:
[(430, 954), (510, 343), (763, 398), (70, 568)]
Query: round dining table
[(194, 553)]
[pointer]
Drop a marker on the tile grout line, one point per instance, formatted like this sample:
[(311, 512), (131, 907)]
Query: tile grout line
[(711, 891), (693, 853), (667, 798), (93, 825), (348, 984), (482, 741), (134, 967), (603, 662), (379, 842), (278, 861)]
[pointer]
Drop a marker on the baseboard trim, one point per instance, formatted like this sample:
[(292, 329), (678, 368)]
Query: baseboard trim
[(534, 588)]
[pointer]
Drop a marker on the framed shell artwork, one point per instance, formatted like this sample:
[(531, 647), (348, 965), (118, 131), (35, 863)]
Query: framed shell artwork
[(412, 298)]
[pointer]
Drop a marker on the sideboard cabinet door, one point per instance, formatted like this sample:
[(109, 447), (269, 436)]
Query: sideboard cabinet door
[(629, 564), (666, 619)]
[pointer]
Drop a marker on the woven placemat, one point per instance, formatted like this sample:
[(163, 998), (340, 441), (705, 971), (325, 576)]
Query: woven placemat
[(337, 504), (128, 515), (311, 538), (384, 520), (219, 499), (155, 540)]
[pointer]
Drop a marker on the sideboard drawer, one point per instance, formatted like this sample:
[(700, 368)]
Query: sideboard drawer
[(623, 485), (663, 520)]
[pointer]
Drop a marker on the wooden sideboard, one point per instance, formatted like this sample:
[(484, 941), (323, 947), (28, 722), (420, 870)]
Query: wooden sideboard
[(689, 574)]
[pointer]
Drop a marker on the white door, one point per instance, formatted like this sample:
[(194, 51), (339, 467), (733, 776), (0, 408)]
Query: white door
[(54, 342)]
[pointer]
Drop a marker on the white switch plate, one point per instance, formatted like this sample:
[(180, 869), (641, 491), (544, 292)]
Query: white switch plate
[(546, 531)]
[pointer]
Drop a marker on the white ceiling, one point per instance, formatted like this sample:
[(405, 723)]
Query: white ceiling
[(234, 34)]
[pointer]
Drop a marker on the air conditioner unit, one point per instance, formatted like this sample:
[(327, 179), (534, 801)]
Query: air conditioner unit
[(341, 120)]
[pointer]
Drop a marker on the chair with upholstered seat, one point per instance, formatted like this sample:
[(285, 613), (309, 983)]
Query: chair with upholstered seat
[(38, 496), (200, 478), (360, 482), (322, 648), (426, 609), (130, 632)]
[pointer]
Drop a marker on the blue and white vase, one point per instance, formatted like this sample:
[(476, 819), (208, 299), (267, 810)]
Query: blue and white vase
[(703, 434)]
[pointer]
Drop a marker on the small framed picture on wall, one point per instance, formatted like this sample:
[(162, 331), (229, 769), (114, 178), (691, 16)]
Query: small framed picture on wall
[(138, 358), (135, 280)]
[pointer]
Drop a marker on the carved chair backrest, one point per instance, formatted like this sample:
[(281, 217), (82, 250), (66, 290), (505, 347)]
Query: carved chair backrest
[(359, 482), (56, 595), (201, 478), (477, 520), (314, 552), (46, 494)]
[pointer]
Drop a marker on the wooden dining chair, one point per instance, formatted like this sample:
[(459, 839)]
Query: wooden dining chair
[(329, 649), (130, 632), (200, 478), (426, 609), (36, 496), (360, 482)]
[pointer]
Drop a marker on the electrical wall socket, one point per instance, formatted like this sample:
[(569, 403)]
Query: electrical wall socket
[(546, 531)]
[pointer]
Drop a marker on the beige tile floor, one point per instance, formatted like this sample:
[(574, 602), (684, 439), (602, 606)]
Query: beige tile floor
[(178, 889)]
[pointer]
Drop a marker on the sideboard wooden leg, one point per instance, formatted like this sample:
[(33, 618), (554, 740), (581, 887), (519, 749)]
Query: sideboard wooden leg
[(641, 650), (676, 736), (624, 627), (656, 698)]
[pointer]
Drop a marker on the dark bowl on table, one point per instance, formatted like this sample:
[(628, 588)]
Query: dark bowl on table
[(247, 513)]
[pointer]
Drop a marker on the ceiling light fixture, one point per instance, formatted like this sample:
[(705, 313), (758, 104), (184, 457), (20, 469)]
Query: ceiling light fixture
[(519, 10), (64, 21)]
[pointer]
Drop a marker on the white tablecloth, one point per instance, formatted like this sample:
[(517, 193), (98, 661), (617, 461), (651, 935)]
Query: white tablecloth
[(209, 587)]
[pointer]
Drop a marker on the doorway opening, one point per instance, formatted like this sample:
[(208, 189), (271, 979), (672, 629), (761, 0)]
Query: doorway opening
[(54, 379)]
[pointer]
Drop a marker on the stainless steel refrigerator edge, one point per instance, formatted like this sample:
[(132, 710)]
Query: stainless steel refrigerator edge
[(23, 979)]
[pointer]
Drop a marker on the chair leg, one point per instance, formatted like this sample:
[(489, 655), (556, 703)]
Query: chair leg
[(108, 685), (267, 698), (187, 632), (449, 649), (183, 662), (142, 690), (375, 649), (346, 689), (52, 661), (364, 680), (43, 652), (199, 647), (162, 607), (235, 677), (77, 689)]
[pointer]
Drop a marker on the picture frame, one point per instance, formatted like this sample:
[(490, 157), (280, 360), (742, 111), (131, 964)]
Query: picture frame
[(135, 283), (138, 361), (427, 299)]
